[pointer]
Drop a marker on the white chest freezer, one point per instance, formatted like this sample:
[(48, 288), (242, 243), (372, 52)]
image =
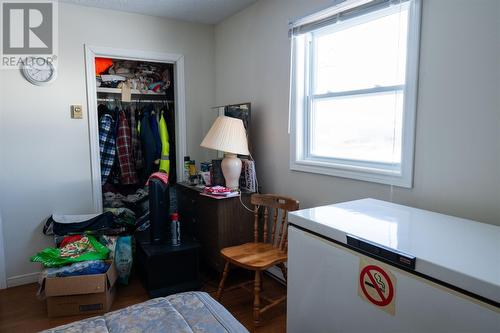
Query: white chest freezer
[(373, 266)]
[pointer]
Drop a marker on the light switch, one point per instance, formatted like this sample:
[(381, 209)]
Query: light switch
[(76, 111)]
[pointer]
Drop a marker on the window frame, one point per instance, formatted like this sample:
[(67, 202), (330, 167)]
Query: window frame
[(301, 85)]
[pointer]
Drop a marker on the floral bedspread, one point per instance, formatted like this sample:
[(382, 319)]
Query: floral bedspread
[(190, 312)]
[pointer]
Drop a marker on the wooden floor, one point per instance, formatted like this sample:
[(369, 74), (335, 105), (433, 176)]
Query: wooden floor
[(21, 311)]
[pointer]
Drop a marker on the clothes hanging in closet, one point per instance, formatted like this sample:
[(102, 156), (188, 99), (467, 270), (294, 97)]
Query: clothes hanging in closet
[(156, 134), (128, 173), (165, 145), (107, 147), (148, 144), (136, 143)]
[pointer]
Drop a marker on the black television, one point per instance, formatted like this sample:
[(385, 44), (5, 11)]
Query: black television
[(241, 111)]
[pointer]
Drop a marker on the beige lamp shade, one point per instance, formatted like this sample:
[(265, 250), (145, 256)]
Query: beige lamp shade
[(227, 134)]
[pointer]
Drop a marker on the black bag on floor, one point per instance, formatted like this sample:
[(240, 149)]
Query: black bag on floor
[(63, 225)]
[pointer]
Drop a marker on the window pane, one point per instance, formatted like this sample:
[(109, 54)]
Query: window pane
[(362, 56), (360, 127)]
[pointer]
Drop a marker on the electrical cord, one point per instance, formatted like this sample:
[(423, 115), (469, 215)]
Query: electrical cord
[(241, 201)]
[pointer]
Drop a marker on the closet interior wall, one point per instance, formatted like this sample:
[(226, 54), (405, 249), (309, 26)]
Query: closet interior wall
[(136, 113)]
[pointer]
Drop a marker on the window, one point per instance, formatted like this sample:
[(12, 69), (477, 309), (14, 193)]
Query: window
[(353, 90)]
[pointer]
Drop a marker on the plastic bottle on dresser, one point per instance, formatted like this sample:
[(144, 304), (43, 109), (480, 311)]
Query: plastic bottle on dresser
[(186, 168), (175, 230)]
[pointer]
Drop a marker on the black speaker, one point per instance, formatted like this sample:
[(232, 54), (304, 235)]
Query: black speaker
[(159, 205)]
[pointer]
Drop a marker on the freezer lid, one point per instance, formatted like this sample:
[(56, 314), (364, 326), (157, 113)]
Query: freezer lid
[(460, 252)]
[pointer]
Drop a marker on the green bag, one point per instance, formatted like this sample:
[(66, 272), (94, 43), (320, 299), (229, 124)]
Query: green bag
[(92, 250)]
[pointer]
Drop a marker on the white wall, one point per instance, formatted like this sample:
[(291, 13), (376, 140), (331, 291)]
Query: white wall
[(44, 155), (457, 153)]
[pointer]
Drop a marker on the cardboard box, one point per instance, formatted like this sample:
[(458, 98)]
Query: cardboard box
[(84, 294)]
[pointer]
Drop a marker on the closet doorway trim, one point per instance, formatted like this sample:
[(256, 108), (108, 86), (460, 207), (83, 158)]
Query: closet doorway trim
[(3, 274), (91, 52)]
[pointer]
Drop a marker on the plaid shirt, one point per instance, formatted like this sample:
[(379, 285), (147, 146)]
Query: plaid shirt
[(107, 147), (136, 143), (124, 147)]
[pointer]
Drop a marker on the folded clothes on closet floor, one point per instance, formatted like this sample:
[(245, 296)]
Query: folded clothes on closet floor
[(117, 200)]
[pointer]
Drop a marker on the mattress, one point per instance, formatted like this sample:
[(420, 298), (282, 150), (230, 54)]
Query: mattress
[(188, 312)]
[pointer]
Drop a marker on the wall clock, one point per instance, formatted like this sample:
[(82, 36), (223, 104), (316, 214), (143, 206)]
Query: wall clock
[(39, 71)]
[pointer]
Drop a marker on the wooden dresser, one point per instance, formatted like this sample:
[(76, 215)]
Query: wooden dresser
[(216, 223)]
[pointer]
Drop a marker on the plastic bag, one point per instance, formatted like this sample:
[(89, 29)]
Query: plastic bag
[(63, 225), (123, 258), (87, 248), (110, 243), (79, 268)]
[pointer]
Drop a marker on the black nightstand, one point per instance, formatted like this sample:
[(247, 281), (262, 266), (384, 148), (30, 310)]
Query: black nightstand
[(165, 269)]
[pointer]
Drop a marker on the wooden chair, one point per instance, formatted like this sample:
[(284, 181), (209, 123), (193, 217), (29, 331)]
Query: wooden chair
[(264, 252)]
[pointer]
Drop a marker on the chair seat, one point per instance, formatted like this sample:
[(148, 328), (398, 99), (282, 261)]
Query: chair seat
[(254, 256)]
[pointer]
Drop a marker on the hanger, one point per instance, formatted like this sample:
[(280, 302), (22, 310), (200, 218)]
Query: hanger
[(119, 104)]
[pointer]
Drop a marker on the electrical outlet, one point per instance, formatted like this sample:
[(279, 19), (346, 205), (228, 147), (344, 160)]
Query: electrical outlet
[(76, 111)]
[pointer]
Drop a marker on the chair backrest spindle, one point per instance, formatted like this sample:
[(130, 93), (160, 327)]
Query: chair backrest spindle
[(275, 222), (256, 224), (283, 232), (274, 205), (266, 221)]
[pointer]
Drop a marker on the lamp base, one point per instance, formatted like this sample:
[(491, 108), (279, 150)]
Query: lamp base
[(231, 169)]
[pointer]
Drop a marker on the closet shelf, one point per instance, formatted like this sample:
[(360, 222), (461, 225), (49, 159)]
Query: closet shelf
[(134, 91)]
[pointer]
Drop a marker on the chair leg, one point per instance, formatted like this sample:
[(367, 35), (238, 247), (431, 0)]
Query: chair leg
[(222, 281), (283, 270), (256, 300)]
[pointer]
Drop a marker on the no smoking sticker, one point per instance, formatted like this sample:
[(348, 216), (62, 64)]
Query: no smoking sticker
[(377, 285)]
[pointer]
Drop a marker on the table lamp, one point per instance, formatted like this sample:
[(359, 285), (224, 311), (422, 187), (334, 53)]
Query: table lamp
[(228, 134)]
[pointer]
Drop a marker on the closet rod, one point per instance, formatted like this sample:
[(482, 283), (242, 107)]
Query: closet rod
[(134, 100)]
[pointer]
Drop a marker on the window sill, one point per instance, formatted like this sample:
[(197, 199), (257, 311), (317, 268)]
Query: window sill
[(368, 174)]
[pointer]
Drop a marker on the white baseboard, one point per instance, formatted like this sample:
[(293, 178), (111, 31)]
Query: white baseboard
[(19, 280)]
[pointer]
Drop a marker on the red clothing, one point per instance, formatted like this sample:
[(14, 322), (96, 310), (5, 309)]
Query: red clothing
[(70, 239), (128, 175), (160, 175)]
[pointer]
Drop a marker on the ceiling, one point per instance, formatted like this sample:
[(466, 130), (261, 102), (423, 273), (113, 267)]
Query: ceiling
[(202, 11)]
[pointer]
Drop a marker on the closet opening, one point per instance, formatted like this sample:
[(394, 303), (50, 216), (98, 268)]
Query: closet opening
[(136, 121)]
